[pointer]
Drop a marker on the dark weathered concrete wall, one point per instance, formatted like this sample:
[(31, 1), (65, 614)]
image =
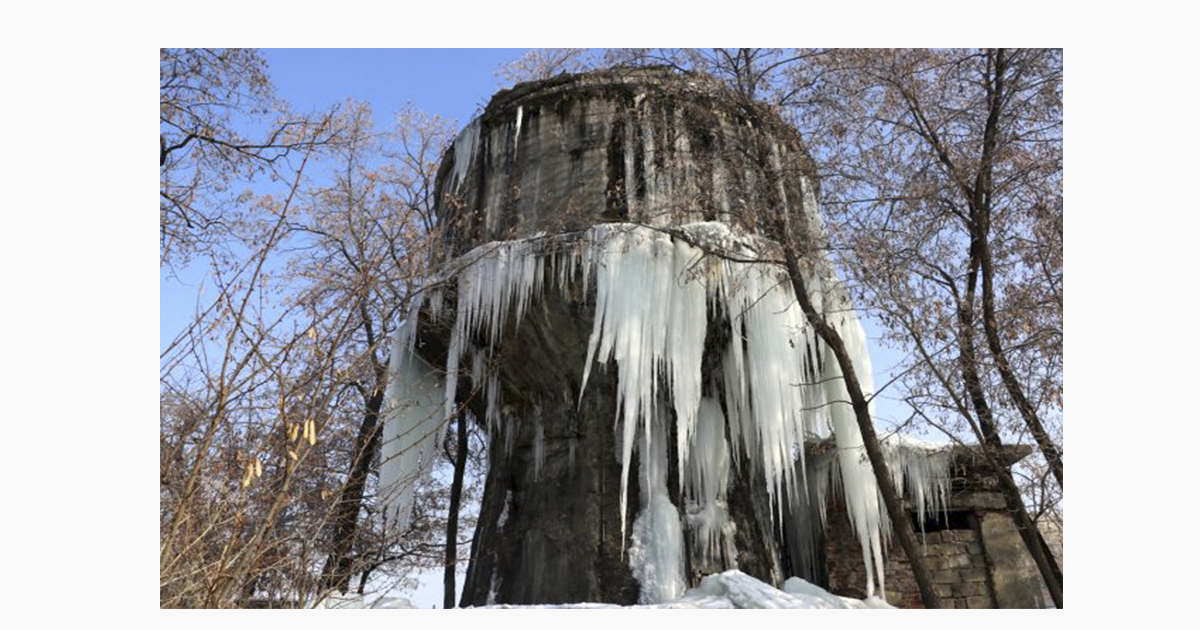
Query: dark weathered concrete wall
[(643, 145), (551, 535)]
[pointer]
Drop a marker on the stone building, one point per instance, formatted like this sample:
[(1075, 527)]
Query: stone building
[(972, 548)]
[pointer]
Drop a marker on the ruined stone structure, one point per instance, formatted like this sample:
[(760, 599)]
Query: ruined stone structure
[(542, 163), (973, 550)]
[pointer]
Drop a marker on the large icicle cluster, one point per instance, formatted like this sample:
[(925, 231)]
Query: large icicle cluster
[(708, 477), (779, 383), (920, 469)]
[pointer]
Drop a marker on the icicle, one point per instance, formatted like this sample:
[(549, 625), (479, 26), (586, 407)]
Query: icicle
[(859, 487), (706, 482), (493, 588), (641, 336), (406, 332), (436, 303), (452, 358), (410, 430), (631, 197), (922, 469), (656, 549), (478, 358), (517, 133), (500, 522), (465, 146), (492, 415), (510, 433), (651, 212), (685, 343)]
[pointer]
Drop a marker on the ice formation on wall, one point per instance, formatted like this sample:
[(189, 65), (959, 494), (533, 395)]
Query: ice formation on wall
[(921, 470), (656, 546), (517, 133), (413, 420), (707, 479), (779, 383), (465, 146)]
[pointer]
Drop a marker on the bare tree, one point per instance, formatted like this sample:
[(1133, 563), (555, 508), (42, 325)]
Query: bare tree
[(271, 396), (244, 400), (943, 176), (370, 234), (220, 126), (543, 63), (768, 75)]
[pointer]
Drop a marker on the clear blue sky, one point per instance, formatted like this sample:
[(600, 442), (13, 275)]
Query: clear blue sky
[(452, 83)]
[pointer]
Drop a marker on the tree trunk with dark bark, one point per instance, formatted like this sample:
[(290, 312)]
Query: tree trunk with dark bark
[(460, 467), (339, 566), (1012, 386), (901, 524), (991, 444), (980, 201)]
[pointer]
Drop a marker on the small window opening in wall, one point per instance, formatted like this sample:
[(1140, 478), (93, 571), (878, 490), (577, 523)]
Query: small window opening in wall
[(942, 521)]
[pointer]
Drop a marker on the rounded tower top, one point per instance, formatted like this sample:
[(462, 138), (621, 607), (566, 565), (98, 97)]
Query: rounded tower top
[(646, 145)]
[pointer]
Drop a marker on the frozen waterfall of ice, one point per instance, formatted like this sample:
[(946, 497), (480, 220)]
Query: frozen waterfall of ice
[(707, 479), (779, 383), (656, 546)]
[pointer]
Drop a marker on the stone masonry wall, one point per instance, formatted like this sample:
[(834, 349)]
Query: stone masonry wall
[(959, 567), (977, 557), (954, 557)]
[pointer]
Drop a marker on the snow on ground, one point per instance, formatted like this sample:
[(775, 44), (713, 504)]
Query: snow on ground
[(734, 589), (354, 602), (731, 589)]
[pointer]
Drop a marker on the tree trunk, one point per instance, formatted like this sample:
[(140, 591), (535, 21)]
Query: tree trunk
[(980, 201), (990, 444), (460, 466), (339, 567), (1028, 413), (891, 499)]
